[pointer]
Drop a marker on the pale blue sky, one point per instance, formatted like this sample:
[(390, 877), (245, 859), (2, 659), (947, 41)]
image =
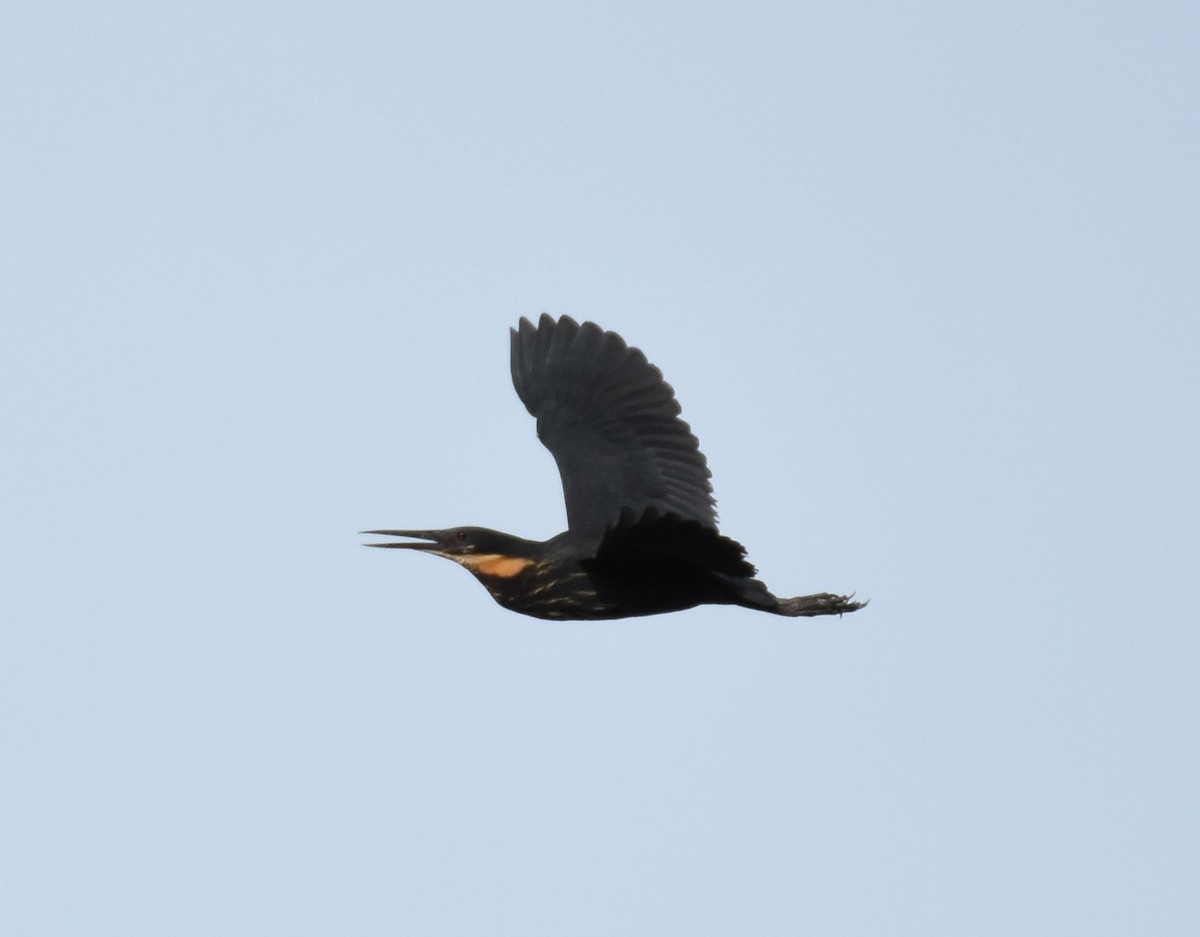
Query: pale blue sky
[(926, 280)]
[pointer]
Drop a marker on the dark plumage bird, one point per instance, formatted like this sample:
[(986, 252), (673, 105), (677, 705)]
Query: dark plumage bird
[(641, 533)]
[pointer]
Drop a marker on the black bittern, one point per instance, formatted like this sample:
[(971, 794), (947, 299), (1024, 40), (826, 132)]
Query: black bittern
[(641, 533)]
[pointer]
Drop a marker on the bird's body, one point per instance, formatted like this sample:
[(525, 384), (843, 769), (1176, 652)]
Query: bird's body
[(641, 532)]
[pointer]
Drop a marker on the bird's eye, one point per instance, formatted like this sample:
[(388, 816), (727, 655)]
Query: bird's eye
[(462, 535)]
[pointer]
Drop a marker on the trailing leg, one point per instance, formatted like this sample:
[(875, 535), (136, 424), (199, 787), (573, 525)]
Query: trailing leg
[(753, 593), (810, 606)]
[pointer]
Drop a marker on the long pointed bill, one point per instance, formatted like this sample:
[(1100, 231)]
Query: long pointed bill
[(415, 534)]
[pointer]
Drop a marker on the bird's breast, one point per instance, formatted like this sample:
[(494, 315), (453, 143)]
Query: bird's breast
[(544, 589)]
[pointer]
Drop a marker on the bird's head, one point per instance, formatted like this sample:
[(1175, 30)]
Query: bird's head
[(485, 552)]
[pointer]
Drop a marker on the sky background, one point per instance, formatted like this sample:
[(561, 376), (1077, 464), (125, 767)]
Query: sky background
[(926, 280)]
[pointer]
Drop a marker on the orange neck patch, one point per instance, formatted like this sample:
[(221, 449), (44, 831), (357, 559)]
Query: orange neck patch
[(494, 564)]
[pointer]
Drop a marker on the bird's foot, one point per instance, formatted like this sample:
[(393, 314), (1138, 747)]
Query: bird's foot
[(823, 603)]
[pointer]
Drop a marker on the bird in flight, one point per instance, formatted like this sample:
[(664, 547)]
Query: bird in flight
[(641, 533)]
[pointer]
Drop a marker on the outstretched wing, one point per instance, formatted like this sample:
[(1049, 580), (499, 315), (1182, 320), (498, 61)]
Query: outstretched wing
[(612, 424)]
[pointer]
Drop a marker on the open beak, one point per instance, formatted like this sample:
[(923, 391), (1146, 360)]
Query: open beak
[(435, 535)]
